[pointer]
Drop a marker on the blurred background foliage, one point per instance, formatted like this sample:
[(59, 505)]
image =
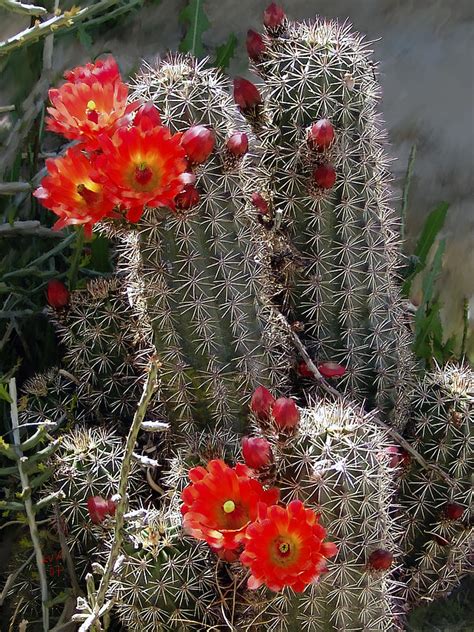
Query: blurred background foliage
[(64, 35)]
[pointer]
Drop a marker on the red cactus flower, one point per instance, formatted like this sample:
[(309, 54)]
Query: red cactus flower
[(57, 294), (198, 143), (255, 45), (285, 413), (331, 369), (246, 93), (273, 16), (99, 508), (70, 191), (220, 504), (142, 167), (324, 176), (285, 547), (257, 452), (261, 402), (380, 560), (321, 134), (103, 70), (238, 144), (83, 110), (398, 457)]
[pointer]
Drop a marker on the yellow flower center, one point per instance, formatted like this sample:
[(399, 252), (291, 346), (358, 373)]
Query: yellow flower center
[(91, 105), (284, 548), (228, 506)]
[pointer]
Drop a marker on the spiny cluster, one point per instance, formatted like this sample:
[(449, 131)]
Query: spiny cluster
[(438, 514), (108, 347)]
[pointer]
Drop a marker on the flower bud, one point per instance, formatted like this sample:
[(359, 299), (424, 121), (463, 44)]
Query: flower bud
[(321, 134), (305, 371), (453, 511), (147, 116), (324, 176), (285, 413), (380, 560), (260, 203), (257, 452), (255, 45), (198, 143), (261, 402), (57, 294), (99, 508), (246, 93), (273, 16), (188, 198), (238, 144), (331, 369)]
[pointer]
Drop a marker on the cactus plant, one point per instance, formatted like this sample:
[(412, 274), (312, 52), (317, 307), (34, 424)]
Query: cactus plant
[(193, 271), (337, 463), (439, 514), (279, 227), (339, 277)]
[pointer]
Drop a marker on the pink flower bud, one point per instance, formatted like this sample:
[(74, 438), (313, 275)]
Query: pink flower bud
[(255, 45), (331, 369), (321, 134), (453, 511), (57, 294), (147, 116), (98, 508), (246, 93), (238, 144), (198, 143), (285, 413), (261, 402), (260, 203), (188, 198), (305, 371), (325, 176), (257, 452), (380, 560), (273, 16)]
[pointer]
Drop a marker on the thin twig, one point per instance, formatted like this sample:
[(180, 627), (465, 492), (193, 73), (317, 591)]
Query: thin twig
[(25, 9), (12, 188), (30, 512), (6, 108), (406, 190), (28, 227), (122, 504), (67, 554)]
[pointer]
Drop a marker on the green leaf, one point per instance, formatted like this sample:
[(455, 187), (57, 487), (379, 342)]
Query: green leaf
[(434, 223), (196, 20), (4, 394), (430, 278), (406, 189), (225, 52), (85, 38)]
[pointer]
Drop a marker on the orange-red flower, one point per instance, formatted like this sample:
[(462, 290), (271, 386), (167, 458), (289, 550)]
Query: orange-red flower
[(84, 109), (70, 191), (103, 70), (220, 504), (284, 547), (141, 165)]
